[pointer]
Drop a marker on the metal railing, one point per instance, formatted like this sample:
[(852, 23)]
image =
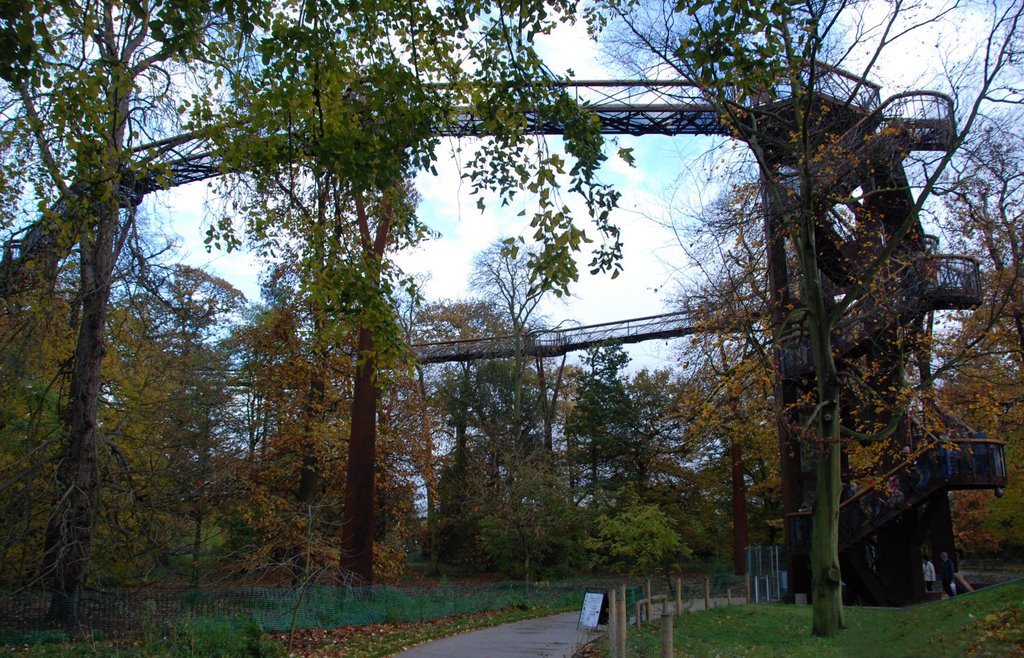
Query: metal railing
[(946, 281), (974, 462), (555, 342), (27, 616), (925, 118)]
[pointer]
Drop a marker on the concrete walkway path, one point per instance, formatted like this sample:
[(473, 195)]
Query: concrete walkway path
[(553, 637)]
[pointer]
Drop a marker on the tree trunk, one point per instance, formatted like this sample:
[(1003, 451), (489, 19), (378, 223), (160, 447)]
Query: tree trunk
[(429, 474), (542, 401), (197, 543), (309, 475), (825, 573), (828, 616), (68, 539), (357, 529), (549, 405)]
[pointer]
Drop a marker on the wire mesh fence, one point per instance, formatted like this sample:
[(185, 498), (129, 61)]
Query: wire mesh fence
[(766, 566), (29, 617)]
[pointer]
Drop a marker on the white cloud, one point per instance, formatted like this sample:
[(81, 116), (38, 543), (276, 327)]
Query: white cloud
[(569, 48), (183, 212)]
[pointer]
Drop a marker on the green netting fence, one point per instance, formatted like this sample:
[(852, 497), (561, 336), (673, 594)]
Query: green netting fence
[(28, 617)]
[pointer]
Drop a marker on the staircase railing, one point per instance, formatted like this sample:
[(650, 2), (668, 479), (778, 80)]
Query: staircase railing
[(931, 282), (972, 462)]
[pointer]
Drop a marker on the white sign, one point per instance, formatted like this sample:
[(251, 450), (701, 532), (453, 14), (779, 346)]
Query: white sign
[(590, 615)]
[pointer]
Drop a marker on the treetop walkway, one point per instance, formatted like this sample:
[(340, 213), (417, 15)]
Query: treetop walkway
[(560, 341), (623, 107)]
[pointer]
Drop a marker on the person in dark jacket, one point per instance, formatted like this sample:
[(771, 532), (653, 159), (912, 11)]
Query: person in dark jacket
[(946, 574)]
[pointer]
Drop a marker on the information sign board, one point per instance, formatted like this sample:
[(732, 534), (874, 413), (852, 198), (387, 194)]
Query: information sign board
[(595, 610)]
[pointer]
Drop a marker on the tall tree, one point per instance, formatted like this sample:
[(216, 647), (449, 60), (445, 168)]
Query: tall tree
[(297, 386), (599, 417), (168, 437), (985, 218), (89, 85), (728, 391), (340, 112), (503, 276), (452, 389)]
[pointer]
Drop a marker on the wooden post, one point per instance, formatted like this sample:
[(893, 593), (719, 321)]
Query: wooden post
[(647, 596), (623, 625), (729, 595), (613, 620), (679, 596), (747, 581), (639, 614), (707, 593), (666, 636)]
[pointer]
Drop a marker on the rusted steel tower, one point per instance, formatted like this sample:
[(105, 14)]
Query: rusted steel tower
[(895, 506)]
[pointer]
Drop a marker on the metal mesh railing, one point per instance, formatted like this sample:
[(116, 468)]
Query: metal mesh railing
[(555, 342), (26, 617)]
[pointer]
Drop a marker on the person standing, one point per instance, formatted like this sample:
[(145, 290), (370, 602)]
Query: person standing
[(946, 572), (929, 574)]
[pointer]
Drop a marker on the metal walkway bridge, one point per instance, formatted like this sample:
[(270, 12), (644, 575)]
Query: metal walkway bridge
[(559, 341), (623, 107)]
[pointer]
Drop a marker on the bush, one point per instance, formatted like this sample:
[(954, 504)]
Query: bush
[(222, 638)]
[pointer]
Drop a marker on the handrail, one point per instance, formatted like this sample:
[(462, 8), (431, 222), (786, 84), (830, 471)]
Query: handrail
[(930, 120), (934, 468), (554, 342), (953, 279)]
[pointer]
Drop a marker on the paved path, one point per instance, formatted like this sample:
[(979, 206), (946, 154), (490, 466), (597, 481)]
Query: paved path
[(555, 637)]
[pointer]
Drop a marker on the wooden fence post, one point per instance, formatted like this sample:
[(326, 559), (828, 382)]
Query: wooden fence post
[(747, 580), (613, 620), (647, 596), (707, 593), (679, 596), (623, 624)]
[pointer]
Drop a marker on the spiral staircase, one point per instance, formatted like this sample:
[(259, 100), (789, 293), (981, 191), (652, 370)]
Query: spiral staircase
[(899, 508)]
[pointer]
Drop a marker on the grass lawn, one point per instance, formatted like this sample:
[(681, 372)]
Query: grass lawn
[(987, 623)]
